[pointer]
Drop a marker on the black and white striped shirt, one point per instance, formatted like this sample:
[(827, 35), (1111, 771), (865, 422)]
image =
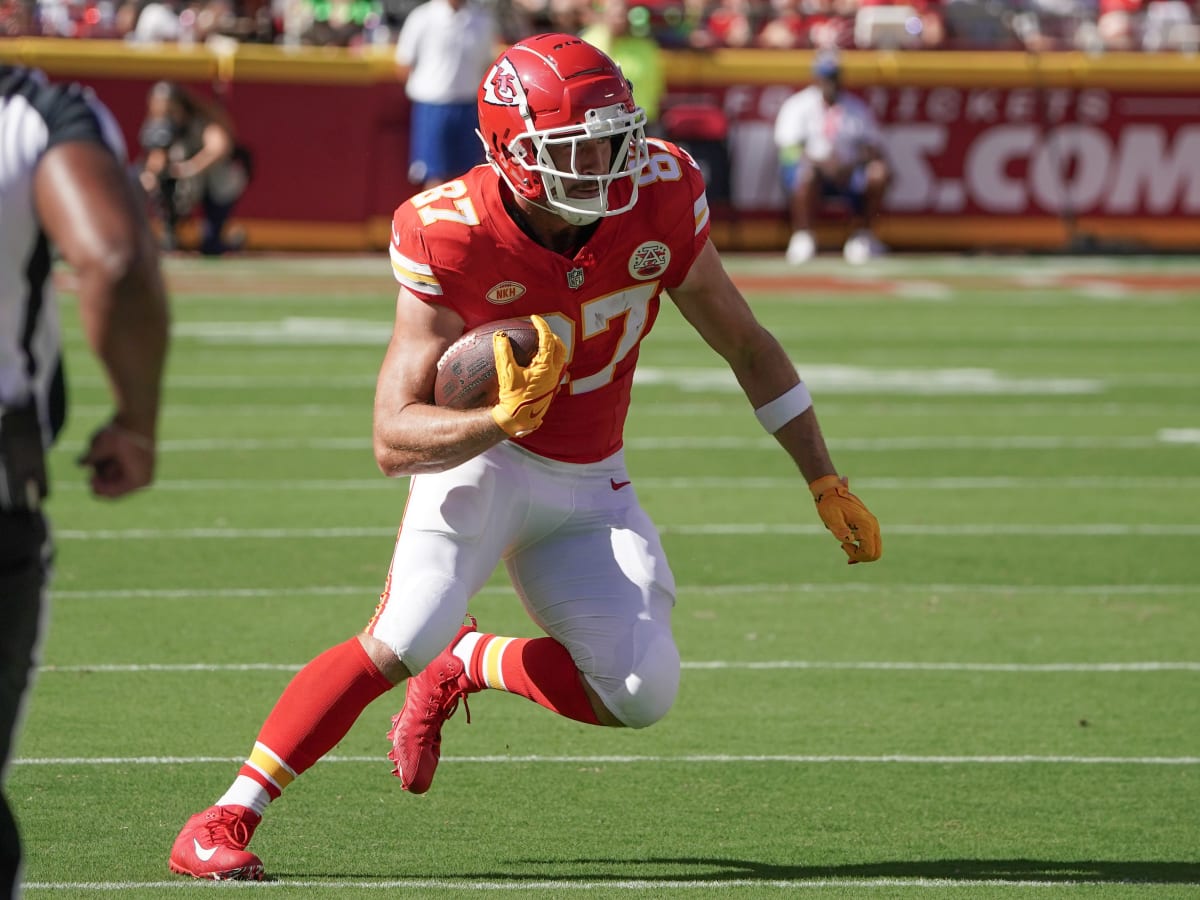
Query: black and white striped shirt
[(35, 116)]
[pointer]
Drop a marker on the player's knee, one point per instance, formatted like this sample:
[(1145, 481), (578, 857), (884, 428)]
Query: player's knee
[(420, 618), (646, 693)]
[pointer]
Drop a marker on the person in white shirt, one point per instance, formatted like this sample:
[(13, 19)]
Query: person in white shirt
[(443, 50), (157, 23), (830, 145)]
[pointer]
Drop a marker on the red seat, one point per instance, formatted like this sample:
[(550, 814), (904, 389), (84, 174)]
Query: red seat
[(695, 122), (702, 129)]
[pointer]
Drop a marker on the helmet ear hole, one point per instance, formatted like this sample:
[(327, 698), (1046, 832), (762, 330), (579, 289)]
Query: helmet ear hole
[(553, 91), (521, 176)]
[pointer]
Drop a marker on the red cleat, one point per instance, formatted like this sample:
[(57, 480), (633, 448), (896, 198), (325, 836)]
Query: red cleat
[(213, 845), (432, 697)]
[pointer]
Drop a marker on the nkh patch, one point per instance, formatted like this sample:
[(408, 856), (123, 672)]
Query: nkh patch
[(505, 292)]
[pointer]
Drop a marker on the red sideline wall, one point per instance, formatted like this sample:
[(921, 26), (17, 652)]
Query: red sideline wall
[(991, 150), (328, 129)]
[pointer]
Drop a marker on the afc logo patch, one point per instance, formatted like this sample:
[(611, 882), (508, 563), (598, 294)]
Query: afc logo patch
[(649, 260)]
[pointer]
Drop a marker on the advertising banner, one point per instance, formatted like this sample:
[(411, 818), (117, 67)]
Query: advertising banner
[(989, 149), (1022, 151)]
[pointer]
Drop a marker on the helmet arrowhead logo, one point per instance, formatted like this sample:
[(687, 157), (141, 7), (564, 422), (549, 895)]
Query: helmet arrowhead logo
[(503, 87)]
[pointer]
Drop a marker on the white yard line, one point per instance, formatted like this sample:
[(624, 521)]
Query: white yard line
[(1165, 439), (979, 483), (866, 666), (286, 330), (870, 381), (240, 382), (965, 529), (731, 529), (887, 445), (837, 588), (654, 759), (704, 665), (651, 886), (896, 407)]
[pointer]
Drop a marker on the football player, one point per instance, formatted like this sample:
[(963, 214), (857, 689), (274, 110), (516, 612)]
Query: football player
[(581, 224)]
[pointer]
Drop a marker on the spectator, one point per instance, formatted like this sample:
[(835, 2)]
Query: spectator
[(1115, 26), (787, 29), (53, 18), (157, 22), (830, 146), (340, 23), (532, 16), (923, 27), (984, 25), (567, 16), (396, 11), (1154, 26), (125, 18), (443, 50), (830, 23), (1050, 25), (732, 23), (65, 187), (191, 157)]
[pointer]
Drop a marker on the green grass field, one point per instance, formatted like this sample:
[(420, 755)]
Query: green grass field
[(1007, 705)]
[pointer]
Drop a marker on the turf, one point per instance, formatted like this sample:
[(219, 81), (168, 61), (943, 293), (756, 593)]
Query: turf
[(1004, 706)]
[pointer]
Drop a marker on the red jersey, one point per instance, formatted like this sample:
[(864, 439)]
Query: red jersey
[(456, 246)]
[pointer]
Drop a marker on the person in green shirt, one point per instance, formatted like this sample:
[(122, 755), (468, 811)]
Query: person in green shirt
[(622, 31)]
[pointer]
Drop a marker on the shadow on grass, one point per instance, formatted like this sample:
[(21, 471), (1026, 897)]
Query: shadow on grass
[(1116, 871), (718, 870)]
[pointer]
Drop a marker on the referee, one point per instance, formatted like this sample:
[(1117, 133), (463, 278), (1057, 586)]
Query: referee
[(64, 190)]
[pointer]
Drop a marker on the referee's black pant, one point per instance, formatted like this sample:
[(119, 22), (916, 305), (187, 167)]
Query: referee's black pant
[(24, 568)]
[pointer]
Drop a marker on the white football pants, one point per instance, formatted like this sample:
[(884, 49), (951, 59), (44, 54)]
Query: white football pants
[(584, 557)]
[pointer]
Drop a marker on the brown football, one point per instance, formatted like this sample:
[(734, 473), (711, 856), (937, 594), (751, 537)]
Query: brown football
[(466, 373)]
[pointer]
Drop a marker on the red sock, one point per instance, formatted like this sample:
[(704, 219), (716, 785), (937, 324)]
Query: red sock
[(540, 669), (314, 712)]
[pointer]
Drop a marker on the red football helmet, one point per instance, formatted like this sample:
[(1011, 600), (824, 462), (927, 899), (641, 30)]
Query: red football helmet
[(555, 90)]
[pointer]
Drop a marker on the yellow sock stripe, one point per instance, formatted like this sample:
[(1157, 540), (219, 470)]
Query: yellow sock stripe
[(279, 772), (493, 674)]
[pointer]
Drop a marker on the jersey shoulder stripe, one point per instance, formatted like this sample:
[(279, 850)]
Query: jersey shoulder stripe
[(413, 275), (700, 212)]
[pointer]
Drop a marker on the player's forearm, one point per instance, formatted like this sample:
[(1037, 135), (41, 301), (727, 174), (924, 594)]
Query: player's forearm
[(767, 374), (424, 438), (761, 366), (125, 318), (802, 439)]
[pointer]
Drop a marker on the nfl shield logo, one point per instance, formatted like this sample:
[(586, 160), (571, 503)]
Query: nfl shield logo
[(575, 279)]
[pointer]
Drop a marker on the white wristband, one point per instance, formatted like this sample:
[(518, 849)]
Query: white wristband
[(791, 403)]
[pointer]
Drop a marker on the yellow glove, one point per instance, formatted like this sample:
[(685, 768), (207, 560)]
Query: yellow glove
[(846, 516), (525, 393)]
